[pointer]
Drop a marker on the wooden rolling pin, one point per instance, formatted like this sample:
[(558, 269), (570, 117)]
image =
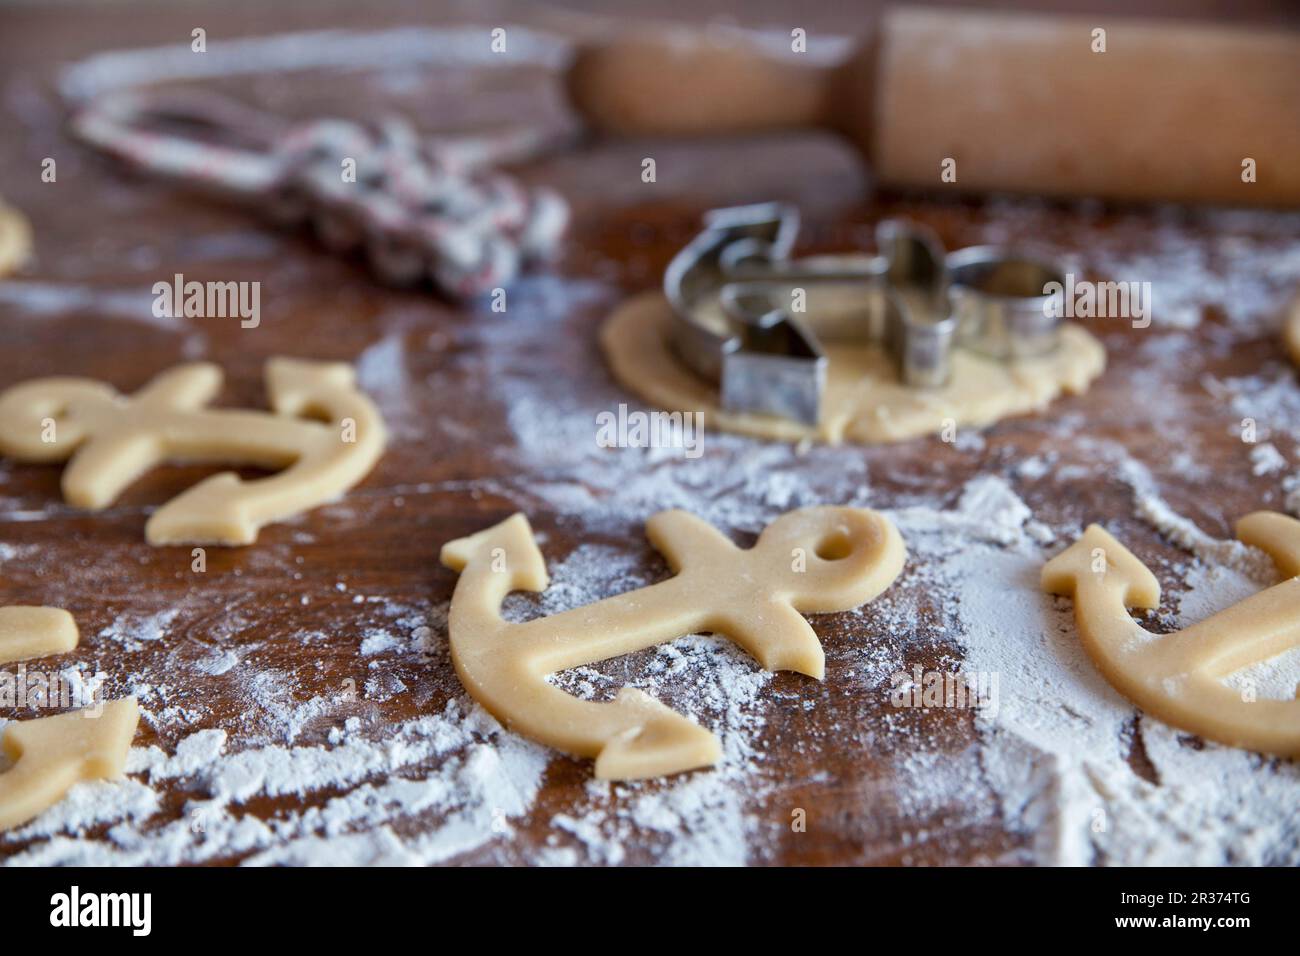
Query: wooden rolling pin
[(1170, 110)]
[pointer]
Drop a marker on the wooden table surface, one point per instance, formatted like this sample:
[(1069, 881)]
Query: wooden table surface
[(486, 408)]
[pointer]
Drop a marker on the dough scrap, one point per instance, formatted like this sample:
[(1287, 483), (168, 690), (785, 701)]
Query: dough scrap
[(52, 753), (1178, 677), (1291, 331), (814, 560), (112, 440), (15, 239), (864, 400), (27, 632)]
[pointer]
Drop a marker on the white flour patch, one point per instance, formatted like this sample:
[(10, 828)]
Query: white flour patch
[(132, 633), (1184, 533), (220, 663), (378, 642), (457, 769), (11, 552), (1245, 263), (1265, 459), (43, 300)]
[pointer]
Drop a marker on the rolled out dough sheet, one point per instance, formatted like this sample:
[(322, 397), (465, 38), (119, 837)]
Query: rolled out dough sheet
[(864, 400)]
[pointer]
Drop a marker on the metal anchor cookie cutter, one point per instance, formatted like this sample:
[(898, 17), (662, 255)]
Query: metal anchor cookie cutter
[(729, 285)]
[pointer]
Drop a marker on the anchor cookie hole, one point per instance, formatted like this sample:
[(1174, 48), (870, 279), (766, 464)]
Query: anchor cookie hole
[(835, 546)]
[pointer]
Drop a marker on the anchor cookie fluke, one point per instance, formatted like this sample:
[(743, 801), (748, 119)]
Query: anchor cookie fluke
[(323, 437), (1082, 562), (661, 742), (1180, 677), (52, 753), (816, 559), (27, 632)]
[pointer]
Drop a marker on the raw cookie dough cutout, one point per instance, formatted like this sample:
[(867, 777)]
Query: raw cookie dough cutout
[(1178, 677), (52, 753), (15, 239), (112, 440), (812, 560), (27, 632), (864, 401)]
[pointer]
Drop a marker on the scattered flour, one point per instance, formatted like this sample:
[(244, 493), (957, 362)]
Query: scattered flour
[(1058, 749), (1058, 753), (1265, 459), (219, 663), (458, 765), (8, 552), (132, 633), (1186, 535)]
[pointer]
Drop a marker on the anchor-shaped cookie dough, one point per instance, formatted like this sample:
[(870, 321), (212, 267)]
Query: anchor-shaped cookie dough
[(811, 560), (52, 753), (112, 440), (27, 632), (1178, 677)]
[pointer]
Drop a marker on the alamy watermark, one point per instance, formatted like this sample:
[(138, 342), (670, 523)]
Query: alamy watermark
[(1099, 300), (657, 429), (962, 690), (63, 690), (74, 908), (209, 300)]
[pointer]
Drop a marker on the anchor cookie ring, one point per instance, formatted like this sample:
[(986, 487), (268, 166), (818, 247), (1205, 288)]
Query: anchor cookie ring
[(729, 285), (1178, 677), (110, 440), (812, 560)]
